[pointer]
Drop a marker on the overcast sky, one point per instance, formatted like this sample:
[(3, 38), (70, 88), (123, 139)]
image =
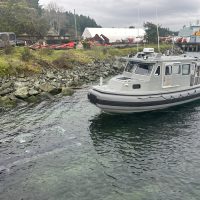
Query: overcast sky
[(124, 13)]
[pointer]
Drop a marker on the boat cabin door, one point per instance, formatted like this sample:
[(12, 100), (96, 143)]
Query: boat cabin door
[(167, 75), (197, 74), (192, 74)]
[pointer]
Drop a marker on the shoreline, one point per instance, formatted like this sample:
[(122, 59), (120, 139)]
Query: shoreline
[(52, 82)]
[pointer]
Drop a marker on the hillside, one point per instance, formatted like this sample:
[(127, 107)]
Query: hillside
[(27, 16), (82, 23)]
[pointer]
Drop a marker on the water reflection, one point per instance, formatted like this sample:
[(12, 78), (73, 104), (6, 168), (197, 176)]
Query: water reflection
[(104, 126), (145, 141)]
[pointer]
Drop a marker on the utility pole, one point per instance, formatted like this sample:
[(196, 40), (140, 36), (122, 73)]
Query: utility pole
[(158, 31), (76, 35), (138, 33), (172, 43)]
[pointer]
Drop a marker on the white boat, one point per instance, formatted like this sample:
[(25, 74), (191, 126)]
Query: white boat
[(150, 81)]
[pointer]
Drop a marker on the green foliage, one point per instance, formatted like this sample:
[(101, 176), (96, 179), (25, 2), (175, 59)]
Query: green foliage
[(85, 21), (33, 4), (98, 53), (46, 52), (151, 32), (8, 49), (82, 23), (4, 67), (71, 58), (26, 54), (23, 60), (22, 16), (26, 16), (86, 44), (6, 102)]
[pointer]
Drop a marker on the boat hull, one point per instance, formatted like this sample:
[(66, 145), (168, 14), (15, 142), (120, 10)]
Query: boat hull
[(126, 103)]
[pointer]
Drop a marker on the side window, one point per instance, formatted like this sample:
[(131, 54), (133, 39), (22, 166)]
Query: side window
[(157, 73), (198, 70), (185, 69), (168, 70), (176, 69)]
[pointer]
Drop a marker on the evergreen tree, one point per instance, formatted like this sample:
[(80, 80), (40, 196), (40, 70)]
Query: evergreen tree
[(151, 32), (20, 16)]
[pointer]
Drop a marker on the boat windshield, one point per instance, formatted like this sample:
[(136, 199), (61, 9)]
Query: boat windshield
[(131, 65), (139, 68), (144, 68)]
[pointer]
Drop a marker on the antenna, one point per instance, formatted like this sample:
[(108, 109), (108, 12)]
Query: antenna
[(138, 31), (157, 30)]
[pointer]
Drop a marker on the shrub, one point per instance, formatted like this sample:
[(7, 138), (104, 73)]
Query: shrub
[(26, 54), (72, 58), (86, 44), (8, 49), (4, 67), (46, 51)]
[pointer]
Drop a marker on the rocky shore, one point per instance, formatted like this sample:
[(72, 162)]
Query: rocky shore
[(53, 82)]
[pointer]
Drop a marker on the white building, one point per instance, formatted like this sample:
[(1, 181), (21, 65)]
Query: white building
[(116, 34)]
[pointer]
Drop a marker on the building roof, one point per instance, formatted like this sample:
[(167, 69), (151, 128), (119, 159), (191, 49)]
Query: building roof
[(114, 34)]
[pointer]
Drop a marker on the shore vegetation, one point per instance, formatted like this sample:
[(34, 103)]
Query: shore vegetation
[(24, 60)]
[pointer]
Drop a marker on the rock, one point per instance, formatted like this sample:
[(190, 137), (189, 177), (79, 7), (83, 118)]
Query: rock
[(46, 87), (7, 102), (33, 92), (105, 73), (107, 65), (6, 85), (56, 84), (19, 84), (32, 99), (6, 91), (50, 75), (66, 91), (22, 93), (60, 77), (22, 79), (15, 99), (55, 91), (36, 84), (21, 75), (6, 88), (46, 95)]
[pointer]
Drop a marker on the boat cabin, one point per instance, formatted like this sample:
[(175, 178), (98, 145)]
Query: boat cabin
[(150, 71)]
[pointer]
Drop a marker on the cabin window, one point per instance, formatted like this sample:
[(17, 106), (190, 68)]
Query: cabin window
[(144, 69), (157, 73), (130, 66), (140, 55), (168, 70), (176, 69), (186, 69)]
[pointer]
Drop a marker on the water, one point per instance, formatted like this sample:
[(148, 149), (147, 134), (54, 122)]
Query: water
[(68, 149)]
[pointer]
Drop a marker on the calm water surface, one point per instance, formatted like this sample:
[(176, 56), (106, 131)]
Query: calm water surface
[(69, 150)]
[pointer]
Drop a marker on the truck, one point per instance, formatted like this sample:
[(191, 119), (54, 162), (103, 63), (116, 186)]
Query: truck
[(7, 38)]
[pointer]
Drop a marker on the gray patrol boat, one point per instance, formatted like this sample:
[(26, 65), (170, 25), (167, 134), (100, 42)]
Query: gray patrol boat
[(150, 81)]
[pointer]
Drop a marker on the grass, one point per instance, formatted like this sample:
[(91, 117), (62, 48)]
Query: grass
[(23, 60)]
